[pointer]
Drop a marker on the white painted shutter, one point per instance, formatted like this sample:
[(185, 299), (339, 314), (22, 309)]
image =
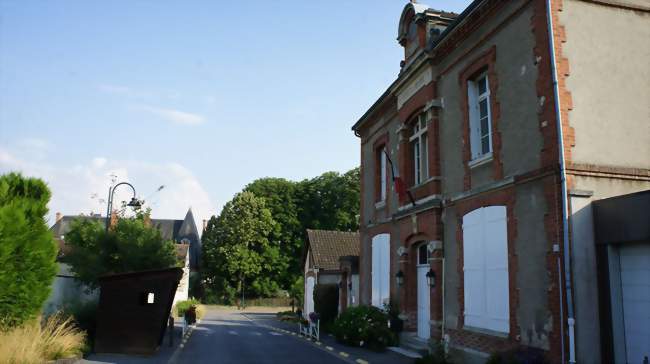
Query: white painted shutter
[(485, 259), (474, 127), (385, 267), (375, 272), (474, 280), (380, 269), (496, 268)]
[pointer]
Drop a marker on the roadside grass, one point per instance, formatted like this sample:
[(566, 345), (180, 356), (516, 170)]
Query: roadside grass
[(56, 338), (288, 316)]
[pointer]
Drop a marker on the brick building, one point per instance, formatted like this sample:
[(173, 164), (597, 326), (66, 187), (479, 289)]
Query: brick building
[(490, 245)]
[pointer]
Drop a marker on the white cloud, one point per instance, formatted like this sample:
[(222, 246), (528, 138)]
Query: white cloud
[(83, 188), (175, 116), (99, 162)]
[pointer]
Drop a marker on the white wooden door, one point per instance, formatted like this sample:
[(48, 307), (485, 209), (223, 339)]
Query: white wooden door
[(309, 296), (423, 303), (635, 287), (424, 293)]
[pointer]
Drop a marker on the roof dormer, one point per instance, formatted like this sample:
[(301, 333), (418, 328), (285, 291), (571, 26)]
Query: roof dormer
[(418, 25)]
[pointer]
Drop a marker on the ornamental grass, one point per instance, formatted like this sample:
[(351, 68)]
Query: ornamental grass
[(35, 342)]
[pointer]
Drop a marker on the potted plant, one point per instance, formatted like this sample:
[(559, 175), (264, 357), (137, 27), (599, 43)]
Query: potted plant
[(396, 324)]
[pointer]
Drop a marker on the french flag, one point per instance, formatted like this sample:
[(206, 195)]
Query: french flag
[(400, 186)]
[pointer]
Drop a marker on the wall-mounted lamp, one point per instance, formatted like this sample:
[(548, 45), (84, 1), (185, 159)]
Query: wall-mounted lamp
[(399, 276), (431, 278)]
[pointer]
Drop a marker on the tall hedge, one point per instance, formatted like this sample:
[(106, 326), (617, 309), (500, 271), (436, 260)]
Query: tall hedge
[(27, 249)]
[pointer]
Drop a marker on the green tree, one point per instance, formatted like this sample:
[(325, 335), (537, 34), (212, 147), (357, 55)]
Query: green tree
[(279, 196), (237, 251), (27, 249), (297, 292), (130, 245), (330, 201)]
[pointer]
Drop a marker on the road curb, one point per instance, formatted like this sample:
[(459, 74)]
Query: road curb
[(174, 358)]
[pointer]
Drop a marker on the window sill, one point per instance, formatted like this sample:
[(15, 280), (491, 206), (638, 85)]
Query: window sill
[(380, 204), (479, 161), (425, 182)]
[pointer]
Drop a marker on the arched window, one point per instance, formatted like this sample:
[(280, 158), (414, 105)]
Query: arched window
[(485, 260), (419, 148)]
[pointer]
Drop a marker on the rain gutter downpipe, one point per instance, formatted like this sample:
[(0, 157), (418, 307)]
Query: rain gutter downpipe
[(563, 182)]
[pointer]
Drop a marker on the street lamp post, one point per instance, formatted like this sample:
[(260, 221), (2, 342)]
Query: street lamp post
[(111, 191)]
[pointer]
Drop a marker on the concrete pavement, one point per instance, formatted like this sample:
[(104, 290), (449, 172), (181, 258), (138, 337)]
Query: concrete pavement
[(230, 337), (356, 354), (226, 336)]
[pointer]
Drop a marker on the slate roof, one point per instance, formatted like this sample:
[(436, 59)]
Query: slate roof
[(327, 246), (180, 231)]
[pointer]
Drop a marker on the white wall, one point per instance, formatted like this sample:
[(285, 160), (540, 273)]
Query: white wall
[(66, 290), (182, 292)]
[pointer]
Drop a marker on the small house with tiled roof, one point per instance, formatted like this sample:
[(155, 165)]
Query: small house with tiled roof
[(331, 258)]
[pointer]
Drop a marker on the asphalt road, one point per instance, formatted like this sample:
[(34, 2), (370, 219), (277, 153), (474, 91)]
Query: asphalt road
[(225, 337)]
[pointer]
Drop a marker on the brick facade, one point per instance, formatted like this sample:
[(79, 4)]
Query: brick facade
[(409, 226)]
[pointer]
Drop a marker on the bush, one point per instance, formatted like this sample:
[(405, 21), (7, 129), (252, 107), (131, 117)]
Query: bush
[(130, 245), (364, 326), (522, 355), (288, 316), (32, 342), (326, 302), (182, 307), (27, 249)]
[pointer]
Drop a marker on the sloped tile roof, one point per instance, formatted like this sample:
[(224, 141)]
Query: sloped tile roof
[(328, 246)]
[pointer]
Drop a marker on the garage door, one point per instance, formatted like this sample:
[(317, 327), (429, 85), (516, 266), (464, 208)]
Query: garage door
[(635, 286)]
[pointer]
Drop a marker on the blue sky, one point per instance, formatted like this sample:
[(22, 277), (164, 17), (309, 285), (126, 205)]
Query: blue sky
[(202, 97)]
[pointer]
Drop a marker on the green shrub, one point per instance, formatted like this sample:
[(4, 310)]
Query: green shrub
[(130, 245), (364, 326), (27, 249), (326, 302), (522, 355), (182, 306)]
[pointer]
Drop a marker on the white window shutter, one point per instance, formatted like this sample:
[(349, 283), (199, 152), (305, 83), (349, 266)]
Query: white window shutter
[(375, 272), (496, 259), (385, 265), (473, 268), (380, 269), (485, 260)]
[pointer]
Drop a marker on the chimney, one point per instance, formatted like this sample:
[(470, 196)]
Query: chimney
[(205, 224), (58, 217), (113, 220)]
